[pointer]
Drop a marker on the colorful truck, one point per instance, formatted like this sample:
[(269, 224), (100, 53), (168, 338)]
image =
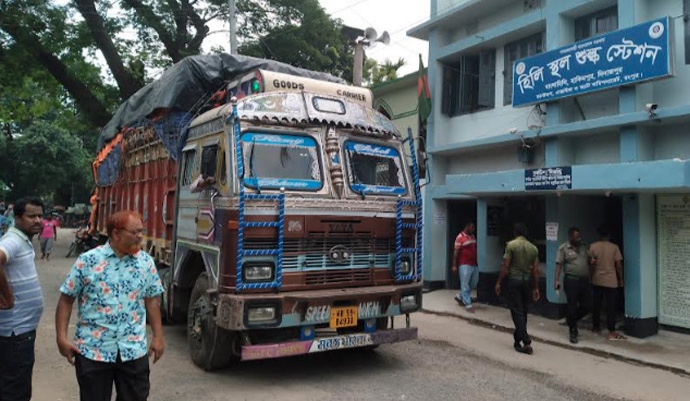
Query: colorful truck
[(283, 211)]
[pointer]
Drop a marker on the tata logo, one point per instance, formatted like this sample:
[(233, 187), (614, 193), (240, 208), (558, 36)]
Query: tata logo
[(341, 228)]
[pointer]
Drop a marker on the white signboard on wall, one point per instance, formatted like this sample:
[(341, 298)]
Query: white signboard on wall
[(673, 233)]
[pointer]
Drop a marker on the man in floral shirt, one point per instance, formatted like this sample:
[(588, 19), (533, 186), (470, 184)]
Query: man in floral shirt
[(116, 286)]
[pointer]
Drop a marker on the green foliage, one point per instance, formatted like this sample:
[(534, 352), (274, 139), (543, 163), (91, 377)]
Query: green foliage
[(374, 73), (65, 67), (297, 32), (47, 161)]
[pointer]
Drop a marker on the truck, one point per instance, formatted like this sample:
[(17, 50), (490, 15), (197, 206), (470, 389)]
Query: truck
[(284, 212)]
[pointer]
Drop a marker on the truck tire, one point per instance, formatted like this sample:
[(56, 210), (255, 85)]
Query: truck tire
[(209, 346), (166, 279)]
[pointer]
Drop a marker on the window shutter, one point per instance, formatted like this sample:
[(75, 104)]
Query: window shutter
[(447, 91), (466, 88), (487, 78)]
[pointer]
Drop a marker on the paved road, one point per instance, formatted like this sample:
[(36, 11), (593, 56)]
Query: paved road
[(453, 360)]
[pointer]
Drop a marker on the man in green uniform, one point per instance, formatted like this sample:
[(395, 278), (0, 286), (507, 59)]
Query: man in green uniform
[(521, 265), (573, 259)]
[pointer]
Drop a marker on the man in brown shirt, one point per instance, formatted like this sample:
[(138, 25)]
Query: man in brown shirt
[(607, 276)]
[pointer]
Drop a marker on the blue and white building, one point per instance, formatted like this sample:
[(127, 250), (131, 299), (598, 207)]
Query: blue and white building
[(564, 113)]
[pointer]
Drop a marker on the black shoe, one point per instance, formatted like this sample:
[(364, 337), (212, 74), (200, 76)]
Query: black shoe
[(517, 345), (459, 301), (527, 349), (573, 339)]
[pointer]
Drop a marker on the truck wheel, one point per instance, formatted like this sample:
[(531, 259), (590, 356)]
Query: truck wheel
[(209, 346), (166, 280)]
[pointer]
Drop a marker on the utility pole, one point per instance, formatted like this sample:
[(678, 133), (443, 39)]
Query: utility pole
[(232, 5), (359, 61)]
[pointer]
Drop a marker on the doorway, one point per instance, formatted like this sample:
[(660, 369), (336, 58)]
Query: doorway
[(459, 213)]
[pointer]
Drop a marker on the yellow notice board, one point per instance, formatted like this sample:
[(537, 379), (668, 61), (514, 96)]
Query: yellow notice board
[(673, 236)]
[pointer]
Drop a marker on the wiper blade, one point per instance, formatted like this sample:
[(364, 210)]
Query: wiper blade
[(251, 165)]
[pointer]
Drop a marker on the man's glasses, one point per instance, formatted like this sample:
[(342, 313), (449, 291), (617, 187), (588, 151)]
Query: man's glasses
[(135, 232)]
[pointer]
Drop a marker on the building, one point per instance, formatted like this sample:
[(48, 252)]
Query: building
[(560, 113)]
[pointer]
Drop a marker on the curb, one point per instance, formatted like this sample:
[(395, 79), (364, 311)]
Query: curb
[(584, 349)]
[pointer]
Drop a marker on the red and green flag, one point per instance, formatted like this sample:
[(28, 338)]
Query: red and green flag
[(424, 101)]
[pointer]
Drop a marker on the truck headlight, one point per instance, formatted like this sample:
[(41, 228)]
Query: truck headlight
[(405, 266), (253, 272), (408, 303), (261, 314)]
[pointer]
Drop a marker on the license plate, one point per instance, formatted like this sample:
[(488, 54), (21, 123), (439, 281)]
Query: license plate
[(343, 317)]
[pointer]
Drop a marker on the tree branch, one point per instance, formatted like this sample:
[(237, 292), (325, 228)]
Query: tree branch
[(126, 82), (199, 24), (153, 21), (87, 102)]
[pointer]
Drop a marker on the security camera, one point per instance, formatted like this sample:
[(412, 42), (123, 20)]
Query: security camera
[(513, 130), (651, 107)]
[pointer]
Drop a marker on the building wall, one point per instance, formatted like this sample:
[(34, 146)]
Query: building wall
[(620, 155)]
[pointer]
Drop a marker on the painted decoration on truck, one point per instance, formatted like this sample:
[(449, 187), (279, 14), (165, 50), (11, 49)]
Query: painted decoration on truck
[(375, 169), (274, 161), (624, 57)]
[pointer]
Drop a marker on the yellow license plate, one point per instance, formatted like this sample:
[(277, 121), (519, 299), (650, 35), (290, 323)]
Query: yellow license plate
[(343, 317)]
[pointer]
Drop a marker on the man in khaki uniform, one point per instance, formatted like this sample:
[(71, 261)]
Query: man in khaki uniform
[(572, 257), (607, 276), (521, 265)]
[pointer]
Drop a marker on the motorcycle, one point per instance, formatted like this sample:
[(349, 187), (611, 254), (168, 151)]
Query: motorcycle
[(83, 241)]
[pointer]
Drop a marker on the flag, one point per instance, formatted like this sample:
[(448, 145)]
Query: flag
[(424, 101)]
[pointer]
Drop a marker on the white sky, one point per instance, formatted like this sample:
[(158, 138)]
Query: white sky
[(394, 16)]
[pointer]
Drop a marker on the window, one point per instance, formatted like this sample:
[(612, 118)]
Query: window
[(281, 161), (188, 167), (514, 51), (686, 26), (209, 157), (596, 23), (375, 169), (469, 85)]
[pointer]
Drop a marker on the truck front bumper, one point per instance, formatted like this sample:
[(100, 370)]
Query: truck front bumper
[(279, 350)]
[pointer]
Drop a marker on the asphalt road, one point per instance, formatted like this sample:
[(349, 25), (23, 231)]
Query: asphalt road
[(452, 360)]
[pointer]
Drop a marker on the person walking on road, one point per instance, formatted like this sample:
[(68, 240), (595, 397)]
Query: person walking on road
[(465, 259), (521, 266), (117, 288), (572, 258), (607, 276), (48, 235), (21, 301)]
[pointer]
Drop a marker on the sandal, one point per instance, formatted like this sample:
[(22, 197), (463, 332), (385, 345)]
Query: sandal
[(616, 337)]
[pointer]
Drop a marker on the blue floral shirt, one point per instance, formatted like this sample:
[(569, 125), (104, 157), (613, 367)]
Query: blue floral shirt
[(110, 293)]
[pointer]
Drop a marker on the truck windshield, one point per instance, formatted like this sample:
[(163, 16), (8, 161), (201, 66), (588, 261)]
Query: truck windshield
[(375, 169), (273, 161)]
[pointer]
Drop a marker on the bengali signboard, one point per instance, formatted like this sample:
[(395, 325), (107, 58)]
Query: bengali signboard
[(673, 251), (624, 57), (545, 179)]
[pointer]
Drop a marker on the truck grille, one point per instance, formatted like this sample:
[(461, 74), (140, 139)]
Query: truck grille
[(318, 277), (312, 253)]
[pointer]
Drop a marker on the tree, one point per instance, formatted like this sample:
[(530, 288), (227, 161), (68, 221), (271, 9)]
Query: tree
[(297, 32), (46, 161), (138, 37), (375, 73)]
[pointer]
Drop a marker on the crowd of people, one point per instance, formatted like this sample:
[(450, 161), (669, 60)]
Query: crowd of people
[(116, 287), (589, 275)]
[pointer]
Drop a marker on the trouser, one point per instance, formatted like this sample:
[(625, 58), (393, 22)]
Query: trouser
[(96, 379), (16, 366), (46, 245), (469, 276), (610, 294), (518, 297), (577, 292)]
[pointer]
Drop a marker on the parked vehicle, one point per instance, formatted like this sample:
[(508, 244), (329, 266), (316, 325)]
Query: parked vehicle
[(285, 220), (83, 241)]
